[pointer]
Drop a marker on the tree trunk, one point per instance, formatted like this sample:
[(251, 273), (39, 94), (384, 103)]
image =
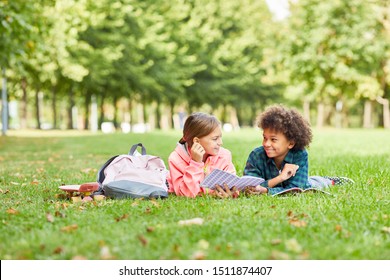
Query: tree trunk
[(306, 110), (367, 115), (102, 112), (224, 114), (131, 112), (115, 120), (87, 103), (386, 111), (320, 115), (69, 110), (172, 112), (23, 120), (158, 114), (37, 109), (54, 106)]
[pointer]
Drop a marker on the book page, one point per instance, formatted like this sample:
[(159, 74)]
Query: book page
[(220, 177)]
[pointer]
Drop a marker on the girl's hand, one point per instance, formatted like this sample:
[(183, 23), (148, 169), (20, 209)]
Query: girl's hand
[(225, 192), (288, 171), (197, 152)]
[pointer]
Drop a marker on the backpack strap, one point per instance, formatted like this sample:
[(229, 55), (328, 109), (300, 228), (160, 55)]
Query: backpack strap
[(134, 148)]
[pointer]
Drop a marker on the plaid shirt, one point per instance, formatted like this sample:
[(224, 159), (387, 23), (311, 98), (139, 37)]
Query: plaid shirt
[(260, 165)]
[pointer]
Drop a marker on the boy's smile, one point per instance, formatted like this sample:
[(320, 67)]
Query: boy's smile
[(276, 145)]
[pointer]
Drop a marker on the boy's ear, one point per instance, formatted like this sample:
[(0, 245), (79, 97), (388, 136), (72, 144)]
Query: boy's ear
[(291, 145), (196, 140)]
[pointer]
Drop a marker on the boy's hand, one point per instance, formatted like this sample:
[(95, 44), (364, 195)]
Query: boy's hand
[(250, 190), (288, 171)]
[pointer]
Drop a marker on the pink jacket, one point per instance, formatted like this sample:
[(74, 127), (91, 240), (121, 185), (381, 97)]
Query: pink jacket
[(186, 174)]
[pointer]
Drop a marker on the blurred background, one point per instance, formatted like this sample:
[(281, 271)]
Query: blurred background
[(140, 65)]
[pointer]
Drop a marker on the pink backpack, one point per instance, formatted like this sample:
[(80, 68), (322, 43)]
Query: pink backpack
[(133, 176)]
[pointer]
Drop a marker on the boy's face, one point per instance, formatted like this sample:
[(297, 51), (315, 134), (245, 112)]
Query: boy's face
[(276, 145)]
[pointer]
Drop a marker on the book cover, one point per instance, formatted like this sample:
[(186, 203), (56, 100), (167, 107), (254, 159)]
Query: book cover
[(299, 190), (220, 177)]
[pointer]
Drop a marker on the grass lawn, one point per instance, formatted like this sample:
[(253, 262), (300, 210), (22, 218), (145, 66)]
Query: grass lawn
[(37, 222)]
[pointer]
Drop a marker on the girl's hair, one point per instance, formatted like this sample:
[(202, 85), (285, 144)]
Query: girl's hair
[(198, 125), (289, 122)]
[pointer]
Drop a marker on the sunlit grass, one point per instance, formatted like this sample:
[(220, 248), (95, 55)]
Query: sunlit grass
[(38, 223)]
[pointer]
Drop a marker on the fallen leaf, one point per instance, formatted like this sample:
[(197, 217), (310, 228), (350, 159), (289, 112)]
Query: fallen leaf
[(276, 241), (203, 244), (59, 214), (49, 218), (198, 255), (123, 217), (150, 229), (14, 183), (338, 228), (34, 182), (99, 197), (143, 240), (69, 228), (135, 203), (386, 229), (194, 221), (12, 211), (297, 223), (76, 199), (78, 257), (293, 245), (277, 255), (155, 203), (58, 250), (105, 253)]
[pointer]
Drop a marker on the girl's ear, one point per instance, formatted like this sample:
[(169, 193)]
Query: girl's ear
[(196, 140)]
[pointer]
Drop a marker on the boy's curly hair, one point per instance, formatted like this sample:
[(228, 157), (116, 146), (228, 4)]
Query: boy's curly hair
[(289, 122)]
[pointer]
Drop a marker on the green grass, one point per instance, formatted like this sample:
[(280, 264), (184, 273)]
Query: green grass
[(37, 223)]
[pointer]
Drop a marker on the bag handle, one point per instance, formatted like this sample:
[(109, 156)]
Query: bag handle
[(134, 148)]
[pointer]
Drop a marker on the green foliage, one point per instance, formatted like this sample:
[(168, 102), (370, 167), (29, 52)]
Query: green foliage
[(38, 223)]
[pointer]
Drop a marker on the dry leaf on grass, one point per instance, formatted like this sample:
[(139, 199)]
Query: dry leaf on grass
[(198, 255), (49, 218), (58, 250), (386, 229), (143, 240), (194, 221), (105, 253), (293, 245), (297, 223), (155, 203), (277, 255), (150, 229), (338, 228), (99, 197), (123, 217), (69, 228), (12, 211)]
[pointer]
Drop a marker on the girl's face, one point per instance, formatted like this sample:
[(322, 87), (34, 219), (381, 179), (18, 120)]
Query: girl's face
[(212, 142), (276, 145)]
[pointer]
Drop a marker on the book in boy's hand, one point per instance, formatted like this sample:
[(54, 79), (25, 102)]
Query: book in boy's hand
[(220, 177), (299, 190)]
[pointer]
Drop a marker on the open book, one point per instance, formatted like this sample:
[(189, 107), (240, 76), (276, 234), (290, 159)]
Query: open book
[(220, 177), (299, 190)]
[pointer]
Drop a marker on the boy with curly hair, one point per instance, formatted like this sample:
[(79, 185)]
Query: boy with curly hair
[(282, 160)]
